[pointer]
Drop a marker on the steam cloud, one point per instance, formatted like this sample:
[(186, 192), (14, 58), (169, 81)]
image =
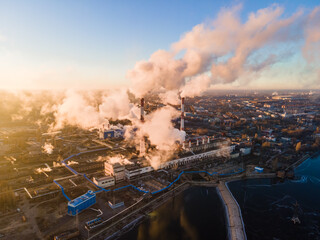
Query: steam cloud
[(119, 159), (226, 50), (48, 148)]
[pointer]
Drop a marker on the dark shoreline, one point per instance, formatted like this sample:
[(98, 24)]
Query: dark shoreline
[(141, 219)]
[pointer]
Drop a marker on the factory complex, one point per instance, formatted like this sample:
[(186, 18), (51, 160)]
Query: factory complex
[(193, 150), (92, 183)]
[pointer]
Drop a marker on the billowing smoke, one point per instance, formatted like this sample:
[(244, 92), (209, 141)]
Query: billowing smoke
[(117, 106), (311, 49), (46, 169), (226, 50), (159, 128), (196, 86), (77, 109), (161, 133), (170, 97), (71, 162), (119, 159), (48, 148)]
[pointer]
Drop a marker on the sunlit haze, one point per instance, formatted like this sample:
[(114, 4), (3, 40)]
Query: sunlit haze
[(159, 119), (96, 44)]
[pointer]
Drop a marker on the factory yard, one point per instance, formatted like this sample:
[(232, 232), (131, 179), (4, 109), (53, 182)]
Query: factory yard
[(95, 184), (45, 217)]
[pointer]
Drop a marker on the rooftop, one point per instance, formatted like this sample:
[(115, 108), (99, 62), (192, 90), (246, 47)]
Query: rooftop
[(75, 202)]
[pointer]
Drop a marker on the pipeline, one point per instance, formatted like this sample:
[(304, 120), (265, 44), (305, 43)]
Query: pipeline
[(62, 190)]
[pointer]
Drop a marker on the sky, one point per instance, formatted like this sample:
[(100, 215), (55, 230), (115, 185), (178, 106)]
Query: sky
[(93, 44)]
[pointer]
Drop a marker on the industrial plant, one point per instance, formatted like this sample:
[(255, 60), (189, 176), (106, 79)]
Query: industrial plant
[(95, 184)]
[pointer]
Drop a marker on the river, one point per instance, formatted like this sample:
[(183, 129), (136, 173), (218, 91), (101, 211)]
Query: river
[(267, 205), (197, 213)]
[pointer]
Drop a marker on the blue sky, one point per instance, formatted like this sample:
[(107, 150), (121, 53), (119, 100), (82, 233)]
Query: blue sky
[(60, 44)]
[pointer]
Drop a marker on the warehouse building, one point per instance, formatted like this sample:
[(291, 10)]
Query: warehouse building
[(104, 182), (134, 171)]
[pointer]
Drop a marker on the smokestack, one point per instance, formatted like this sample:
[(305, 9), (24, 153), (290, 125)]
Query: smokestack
[(182, 115), (142, 143), (184, 145), (189, 143), (203, 140), (208, 140), (142, 110), (197, 142)]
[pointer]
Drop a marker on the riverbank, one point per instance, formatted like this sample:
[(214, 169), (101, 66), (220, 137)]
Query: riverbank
[(233, 213), (267, 205), (130, 217)]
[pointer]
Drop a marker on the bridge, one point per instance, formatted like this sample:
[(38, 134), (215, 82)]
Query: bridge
[(235, 225)]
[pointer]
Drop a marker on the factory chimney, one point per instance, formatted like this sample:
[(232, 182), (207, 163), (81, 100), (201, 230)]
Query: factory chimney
[(182, 115), (142, 110), (142, 142), (189, 143)]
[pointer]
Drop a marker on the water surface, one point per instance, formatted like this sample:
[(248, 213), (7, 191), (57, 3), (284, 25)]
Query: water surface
[(197, 213), (267, 205)]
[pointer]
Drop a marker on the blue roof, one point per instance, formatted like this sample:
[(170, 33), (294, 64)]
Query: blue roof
[(75, 202)]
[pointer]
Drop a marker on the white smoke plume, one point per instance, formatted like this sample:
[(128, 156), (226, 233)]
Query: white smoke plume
[(117, 106), (72, 162), (48, 148), (78, 109), (119, 159), (170, 97), (40, 170), (159, 128), (196, 86), (75, 110), (225, 50), (161, 133)]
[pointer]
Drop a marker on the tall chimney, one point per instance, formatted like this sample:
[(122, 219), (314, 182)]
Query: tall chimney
[(203, 140), (189, 143), (182, 115), (142, 142), (197, 142), (142, 110), (208, 139)]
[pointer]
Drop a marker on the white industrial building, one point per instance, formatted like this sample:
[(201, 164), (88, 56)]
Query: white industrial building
[(104, 182), (136, 171), (117, 170)]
